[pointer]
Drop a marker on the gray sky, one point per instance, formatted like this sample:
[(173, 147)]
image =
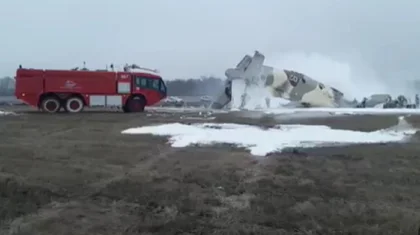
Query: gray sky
[(187, 38)]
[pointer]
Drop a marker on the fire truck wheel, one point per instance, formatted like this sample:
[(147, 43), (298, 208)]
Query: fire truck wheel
[(74, 105), (136, 104), (50, 105)]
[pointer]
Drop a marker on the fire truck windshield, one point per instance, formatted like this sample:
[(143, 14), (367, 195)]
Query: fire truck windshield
[(162, 86), (150, 83)]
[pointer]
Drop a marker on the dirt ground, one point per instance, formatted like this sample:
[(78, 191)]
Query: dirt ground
[(76, 174)]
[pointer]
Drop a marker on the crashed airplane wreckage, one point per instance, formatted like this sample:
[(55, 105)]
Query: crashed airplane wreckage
[(254, 80), (295, 87)]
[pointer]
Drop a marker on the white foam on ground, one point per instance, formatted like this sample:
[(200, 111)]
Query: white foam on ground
[(3, 113), (263, 141)]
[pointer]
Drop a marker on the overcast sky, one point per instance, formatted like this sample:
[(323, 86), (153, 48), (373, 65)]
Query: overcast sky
[(187, 38)]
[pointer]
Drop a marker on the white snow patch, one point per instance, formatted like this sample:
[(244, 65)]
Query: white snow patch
[(263, 141), (3, 113)]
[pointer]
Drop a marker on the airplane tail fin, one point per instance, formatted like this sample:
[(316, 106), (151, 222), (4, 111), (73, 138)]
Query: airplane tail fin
[(244, 62), (248, 69)]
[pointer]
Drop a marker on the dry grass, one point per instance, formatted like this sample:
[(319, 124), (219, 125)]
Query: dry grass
[(76, 174)]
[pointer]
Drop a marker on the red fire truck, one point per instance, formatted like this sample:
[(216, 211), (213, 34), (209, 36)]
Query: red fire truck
[(52, 90)]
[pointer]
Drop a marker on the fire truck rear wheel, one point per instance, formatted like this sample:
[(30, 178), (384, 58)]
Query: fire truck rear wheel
[(74, 105), (136, 104), (50, 104)]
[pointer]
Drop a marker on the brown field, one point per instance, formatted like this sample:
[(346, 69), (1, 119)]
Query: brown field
[(76, 174)]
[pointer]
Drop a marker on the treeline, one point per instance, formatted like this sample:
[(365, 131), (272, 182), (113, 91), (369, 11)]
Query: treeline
[(195, 87), (179, 87), (7, 86)]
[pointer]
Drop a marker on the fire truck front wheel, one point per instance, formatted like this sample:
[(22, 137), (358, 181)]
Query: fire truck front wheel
[(135, 104), (50, 104), (74, 105)]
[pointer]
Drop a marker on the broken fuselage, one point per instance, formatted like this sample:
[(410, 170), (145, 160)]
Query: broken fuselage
[(287, 84)]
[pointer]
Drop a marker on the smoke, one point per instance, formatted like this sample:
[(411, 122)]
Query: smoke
[(353, 79)]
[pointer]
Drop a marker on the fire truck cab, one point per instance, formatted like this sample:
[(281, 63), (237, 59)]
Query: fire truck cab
[(73, 90)]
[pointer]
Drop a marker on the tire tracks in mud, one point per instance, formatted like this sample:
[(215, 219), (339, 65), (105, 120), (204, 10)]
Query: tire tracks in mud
[(53, 133)]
